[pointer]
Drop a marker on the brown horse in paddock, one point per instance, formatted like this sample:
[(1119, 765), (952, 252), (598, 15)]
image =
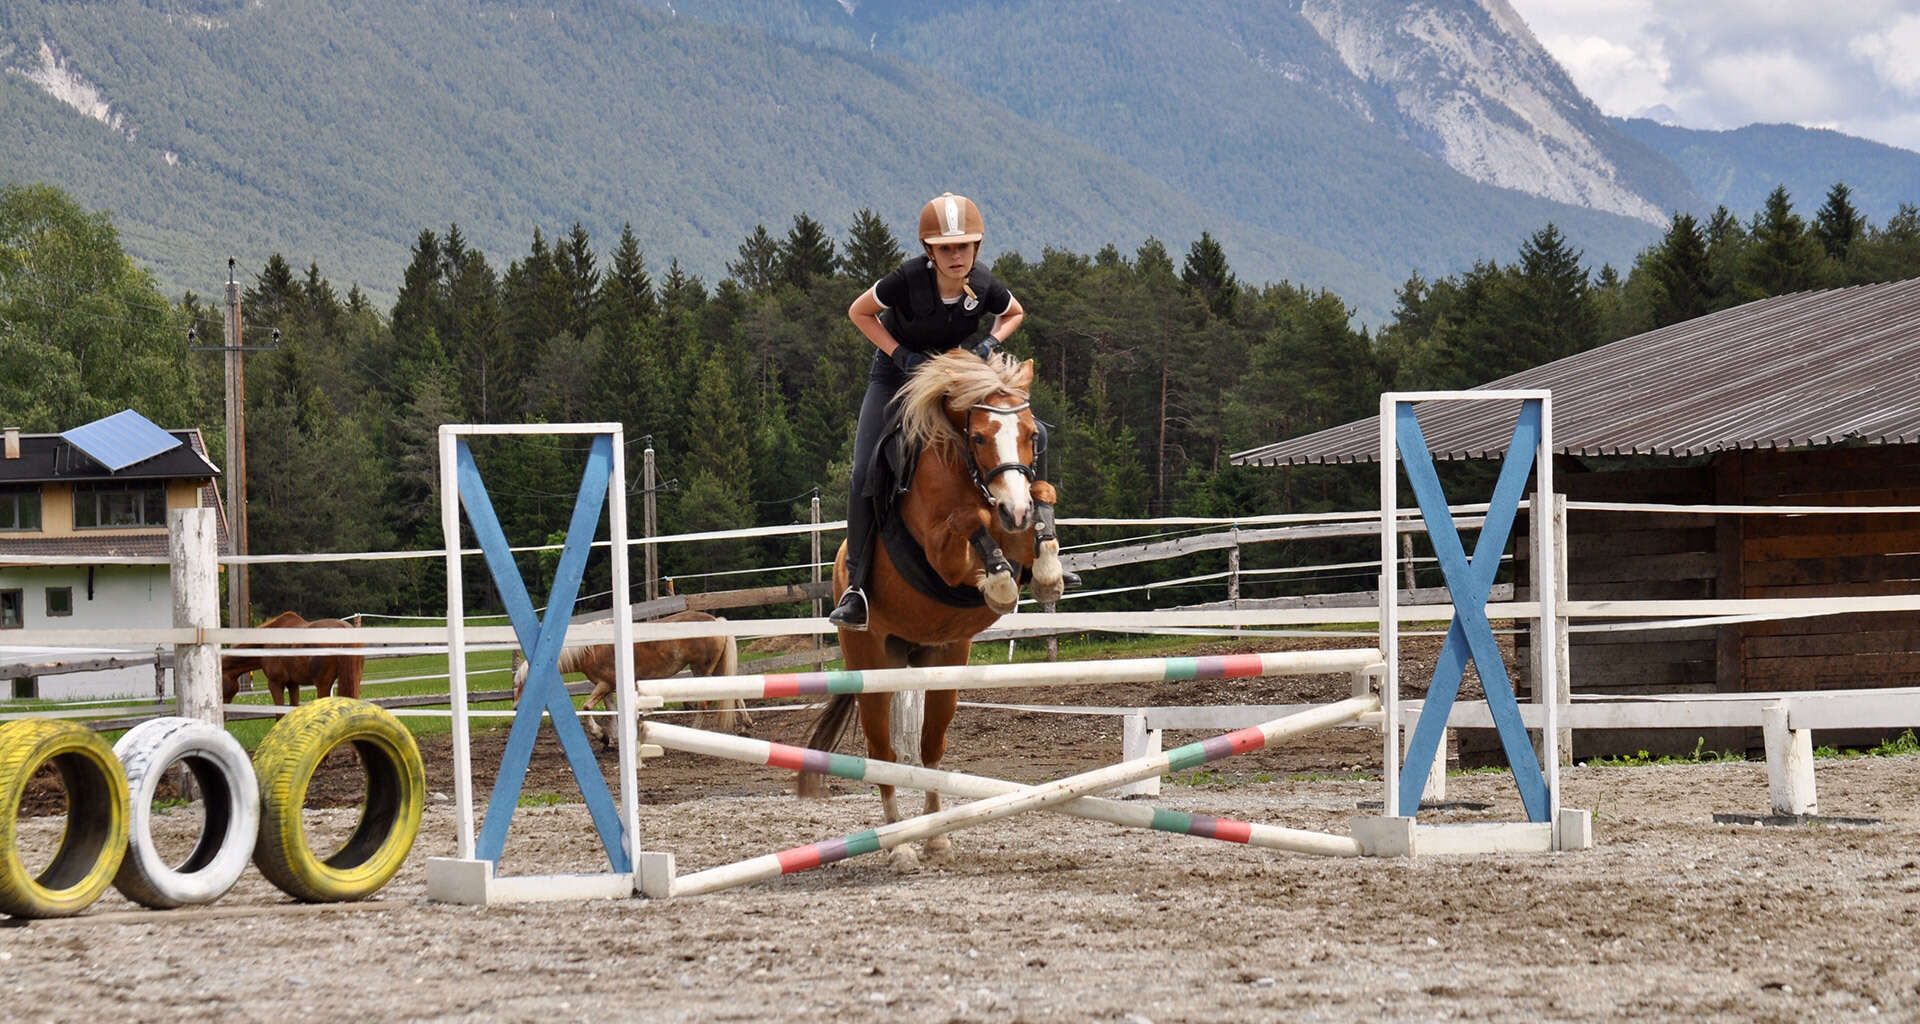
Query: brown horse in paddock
[(978, 515), (286, 674), (652, 659)]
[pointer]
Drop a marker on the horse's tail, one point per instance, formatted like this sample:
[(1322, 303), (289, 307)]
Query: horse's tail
[(519, 676), (827, 730)]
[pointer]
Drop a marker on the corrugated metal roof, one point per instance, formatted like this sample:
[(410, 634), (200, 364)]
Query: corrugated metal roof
[(1794, 371)]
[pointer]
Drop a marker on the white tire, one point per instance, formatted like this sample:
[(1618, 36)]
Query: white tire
[(230, 795)]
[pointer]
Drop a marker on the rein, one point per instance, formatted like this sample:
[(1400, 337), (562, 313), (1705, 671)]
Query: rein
[(981, 480)]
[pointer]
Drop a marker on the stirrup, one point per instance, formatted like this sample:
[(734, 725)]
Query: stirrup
[(851, 612)]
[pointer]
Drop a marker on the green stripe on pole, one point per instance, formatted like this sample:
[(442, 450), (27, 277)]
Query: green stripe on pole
[(864, 842), (1172, 821), (1190, 756), (844, 682), (1181, 668), (846, 766)]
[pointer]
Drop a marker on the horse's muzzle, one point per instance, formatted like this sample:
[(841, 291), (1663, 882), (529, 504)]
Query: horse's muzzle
[(1009, 524)]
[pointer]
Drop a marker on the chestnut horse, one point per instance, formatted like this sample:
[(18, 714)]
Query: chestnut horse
[(286, 674), (978, 514), (652, 659)]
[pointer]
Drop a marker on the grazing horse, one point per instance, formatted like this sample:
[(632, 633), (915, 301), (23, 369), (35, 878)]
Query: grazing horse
[(286, 674), (652, 659), (977, 514)]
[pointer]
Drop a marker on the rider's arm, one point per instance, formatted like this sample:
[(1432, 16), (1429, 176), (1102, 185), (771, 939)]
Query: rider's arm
[(865, 314), (1006, 323)]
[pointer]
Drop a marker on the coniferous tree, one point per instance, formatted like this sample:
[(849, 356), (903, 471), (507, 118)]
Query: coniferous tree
[(275, 298), (322, 305), (759, 262), (681, 292), (1784, 255), (872, 251), (626, 298), (1727, 244), (1838, 224), (575, 261), (421, 305), (806, 254), (1682, 278), (1206, 272)]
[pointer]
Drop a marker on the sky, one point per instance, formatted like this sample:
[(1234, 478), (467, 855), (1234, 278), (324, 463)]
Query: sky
[(1849, 65)]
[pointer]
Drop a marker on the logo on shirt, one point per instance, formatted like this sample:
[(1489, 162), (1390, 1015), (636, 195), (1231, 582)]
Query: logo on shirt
[(969, 304)]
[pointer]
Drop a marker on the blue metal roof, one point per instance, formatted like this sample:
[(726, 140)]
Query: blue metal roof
[(120, 440)]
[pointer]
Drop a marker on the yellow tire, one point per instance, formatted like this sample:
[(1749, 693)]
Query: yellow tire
[(389, 820), (96, 836)]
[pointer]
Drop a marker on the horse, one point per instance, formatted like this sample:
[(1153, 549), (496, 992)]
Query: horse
[(975, 509), (652, 659), (287, 673)]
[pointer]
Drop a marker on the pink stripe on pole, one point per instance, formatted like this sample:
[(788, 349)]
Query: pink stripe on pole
[(1224, 829), (800, 858), (1230, 666), (782, 686), (779, 755), (1244, 740)]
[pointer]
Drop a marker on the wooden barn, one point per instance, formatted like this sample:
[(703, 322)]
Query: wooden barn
[(1805, 399)]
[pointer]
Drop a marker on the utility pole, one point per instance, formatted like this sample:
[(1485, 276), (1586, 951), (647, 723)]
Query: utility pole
[(238, 598)]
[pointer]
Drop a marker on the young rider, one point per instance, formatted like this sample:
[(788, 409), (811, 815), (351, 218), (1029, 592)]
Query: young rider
[(928, 305)]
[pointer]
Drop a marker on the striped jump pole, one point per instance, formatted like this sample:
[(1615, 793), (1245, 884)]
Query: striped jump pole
[(977, 787), (1024, 799), (988, 677)]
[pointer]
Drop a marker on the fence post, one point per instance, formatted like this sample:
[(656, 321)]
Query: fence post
[(648, 526), (194, 559), (1233, 571), (819, 646)]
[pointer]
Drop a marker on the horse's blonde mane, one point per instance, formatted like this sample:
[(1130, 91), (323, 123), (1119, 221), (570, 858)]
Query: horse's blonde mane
[(957, 379)]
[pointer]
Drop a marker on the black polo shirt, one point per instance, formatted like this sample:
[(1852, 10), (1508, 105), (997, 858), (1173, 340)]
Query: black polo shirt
[(913, 312)]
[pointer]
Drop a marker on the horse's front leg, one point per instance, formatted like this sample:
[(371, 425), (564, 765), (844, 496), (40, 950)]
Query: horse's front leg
[(1048, 577), (970, 553), (876, 723)]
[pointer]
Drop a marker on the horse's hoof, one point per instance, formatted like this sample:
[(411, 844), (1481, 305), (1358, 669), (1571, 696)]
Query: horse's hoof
[(902, 859), (939, 850), (1047, 593), (1002, 592)]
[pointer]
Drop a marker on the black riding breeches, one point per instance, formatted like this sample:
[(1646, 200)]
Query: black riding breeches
[(883, 381)]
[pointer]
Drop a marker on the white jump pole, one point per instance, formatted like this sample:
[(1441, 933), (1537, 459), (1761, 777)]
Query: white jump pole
[(456, 644), (980, 677), (977, 787), (1035, 798)]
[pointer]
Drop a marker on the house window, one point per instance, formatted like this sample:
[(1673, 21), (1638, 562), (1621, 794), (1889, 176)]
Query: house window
[(20, 508), (105, 505), (13, 609), (59, 602)]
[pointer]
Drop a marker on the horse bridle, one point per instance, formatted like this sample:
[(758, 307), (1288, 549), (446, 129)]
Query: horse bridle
[(981, 480)]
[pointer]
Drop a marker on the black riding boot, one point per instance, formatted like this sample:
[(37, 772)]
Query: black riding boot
[(851, 612)]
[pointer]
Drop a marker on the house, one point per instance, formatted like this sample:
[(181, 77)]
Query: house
[(1804, 399), (98, 492)]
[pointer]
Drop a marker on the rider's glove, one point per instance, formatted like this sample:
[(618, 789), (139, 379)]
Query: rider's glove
[(987, 347), (907, 359)]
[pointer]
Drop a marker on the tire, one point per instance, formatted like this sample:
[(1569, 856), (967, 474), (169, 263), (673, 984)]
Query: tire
[(96, 836), (231, 798), (389, 820)]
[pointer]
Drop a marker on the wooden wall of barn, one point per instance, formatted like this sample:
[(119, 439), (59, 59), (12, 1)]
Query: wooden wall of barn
[(1636, 555)]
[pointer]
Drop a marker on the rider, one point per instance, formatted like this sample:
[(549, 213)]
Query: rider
[(929, 304)]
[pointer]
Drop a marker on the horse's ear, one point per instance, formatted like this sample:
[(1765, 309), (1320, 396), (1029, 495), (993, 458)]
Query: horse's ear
[(1025, 377)]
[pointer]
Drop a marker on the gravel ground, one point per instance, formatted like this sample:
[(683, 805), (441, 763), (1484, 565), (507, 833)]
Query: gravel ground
[(1044, 917), (1039, 917)]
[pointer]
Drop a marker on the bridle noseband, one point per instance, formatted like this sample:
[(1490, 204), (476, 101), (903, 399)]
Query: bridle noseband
[(981, 480)]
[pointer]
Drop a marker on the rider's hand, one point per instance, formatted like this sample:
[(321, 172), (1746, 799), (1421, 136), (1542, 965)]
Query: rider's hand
[(907, 359), (987, 347)]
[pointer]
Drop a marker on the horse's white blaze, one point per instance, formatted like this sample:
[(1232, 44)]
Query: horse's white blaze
[(1010, 488)]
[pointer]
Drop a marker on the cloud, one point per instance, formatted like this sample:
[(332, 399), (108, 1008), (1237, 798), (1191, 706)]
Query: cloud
[(1894, 54), (1854, 65)]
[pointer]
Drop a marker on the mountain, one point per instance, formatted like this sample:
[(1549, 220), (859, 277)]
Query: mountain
[(1740, 166), (1336, 143)]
